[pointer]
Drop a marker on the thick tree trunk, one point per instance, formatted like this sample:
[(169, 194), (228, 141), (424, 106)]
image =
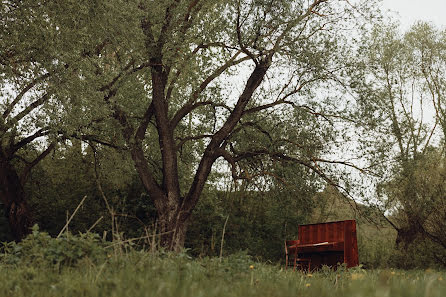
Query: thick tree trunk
[(13, 197), (173, 230), (172, 218)]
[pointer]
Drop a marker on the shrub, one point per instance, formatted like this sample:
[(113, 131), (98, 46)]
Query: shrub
[(42, 249)]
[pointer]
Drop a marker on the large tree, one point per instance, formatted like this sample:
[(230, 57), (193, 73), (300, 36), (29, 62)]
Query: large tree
[(43, 46), (401, 105), (281, 52), (179, 83), (22, 96)]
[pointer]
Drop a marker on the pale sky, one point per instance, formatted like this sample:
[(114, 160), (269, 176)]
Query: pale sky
[(410, 11)]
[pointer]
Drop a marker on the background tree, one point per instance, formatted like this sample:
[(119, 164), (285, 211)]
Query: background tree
[(178, 83), (44, 50), (400, 95), (24, 79)]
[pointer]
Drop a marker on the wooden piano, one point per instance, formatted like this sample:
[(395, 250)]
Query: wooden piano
[(328, 244)]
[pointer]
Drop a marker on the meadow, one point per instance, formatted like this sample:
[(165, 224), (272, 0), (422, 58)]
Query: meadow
[(144, 273), (87, 265)]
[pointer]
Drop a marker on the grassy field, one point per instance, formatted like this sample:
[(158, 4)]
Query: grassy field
[(146, 274)]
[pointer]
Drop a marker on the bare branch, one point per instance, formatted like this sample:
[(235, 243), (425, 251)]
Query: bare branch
[(23, 92), (189, 106), (117, 77), (187, 59), (266, 106), (27, 110), (29, 139), (190, 138), (310, 164), (253, 125), (186, 109), (310, 10), (239, 37), (348, 164), (95, 139), (39, 158)]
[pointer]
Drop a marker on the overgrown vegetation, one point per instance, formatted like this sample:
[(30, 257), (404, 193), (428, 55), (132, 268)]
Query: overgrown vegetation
[(40, 249), (94, 270)]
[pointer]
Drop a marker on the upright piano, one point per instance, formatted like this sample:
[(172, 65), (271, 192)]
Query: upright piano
[(328, 244)]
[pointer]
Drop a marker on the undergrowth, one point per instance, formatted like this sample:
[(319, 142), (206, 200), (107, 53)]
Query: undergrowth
[(84, 265)]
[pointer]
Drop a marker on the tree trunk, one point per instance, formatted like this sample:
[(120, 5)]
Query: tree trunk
[(174, 210), (407, 235), (12, 195), (171, 214), (173, 230)]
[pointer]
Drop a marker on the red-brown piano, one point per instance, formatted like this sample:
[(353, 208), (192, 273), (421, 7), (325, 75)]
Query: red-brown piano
[(327, 244)]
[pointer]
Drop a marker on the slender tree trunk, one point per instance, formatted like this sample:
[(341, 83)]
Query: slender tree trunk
[(13, 197)]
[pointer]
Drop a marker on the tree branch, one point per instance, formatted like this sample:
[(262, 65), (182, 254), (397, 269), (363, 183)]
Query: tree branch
[(27, 110), (195, 137), (210, 155), (188, 107), (187, 59), (29, 139), (95, 139), (23, 92), (39, 158), (239, 37), (141, 131)]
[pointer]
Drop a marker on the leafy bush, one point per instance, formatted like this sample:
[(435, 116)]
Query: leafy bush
[(421, 253), (256, 223), (42, 249)]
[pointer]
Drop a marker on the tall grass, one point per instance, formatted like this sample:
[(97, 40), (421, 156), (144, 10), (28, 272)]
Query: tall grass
[(85, 265), (163, 274)]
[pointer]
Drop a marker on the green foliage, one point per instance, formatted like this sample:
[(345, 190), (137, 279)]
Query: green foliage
[(167, 274), (59, 183), (258, 222), (422, 253), (417, 194), (402, 135), (376, 246), (97, 58), (40, 249)]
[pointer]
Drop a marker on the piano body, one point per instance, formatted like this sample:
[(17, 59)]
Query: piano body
[(328, 243)]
